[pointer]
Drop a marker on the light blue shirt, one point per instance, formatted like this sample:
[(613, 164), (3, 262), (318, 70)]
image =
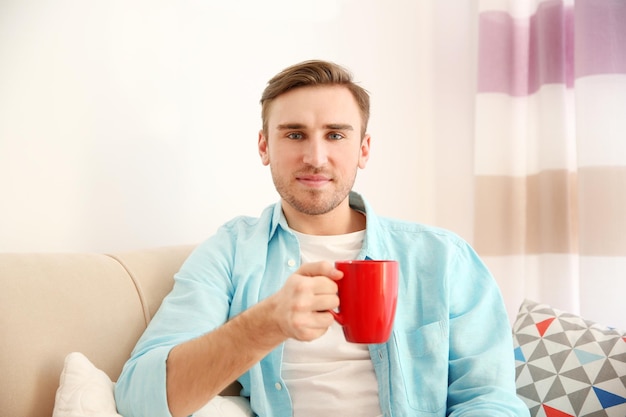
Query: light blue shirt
[(450, 352)]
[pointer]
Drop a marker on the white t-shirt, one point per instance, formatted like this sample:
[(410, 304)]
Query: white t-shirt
[(329, 376)]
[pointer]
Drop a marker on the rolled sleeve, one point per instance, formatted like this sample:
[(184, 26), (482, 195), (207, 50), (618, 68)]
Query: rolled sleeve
[(144, 378)]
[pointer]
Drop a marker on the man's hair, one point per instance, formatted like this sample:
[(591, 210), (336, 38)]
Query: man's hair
[(309, 74)]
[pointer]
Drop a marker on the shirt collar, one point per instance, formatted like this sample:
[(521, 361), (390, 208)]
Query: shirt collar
[(356, 201)]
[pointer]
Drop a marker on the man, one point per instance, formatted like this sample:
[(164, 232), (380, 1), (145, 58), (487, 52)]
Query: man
[(251, 303)]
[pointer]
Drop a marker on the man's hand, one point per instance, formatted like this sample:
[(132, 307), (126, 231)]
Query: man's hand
[(200, 368), (301, 306)]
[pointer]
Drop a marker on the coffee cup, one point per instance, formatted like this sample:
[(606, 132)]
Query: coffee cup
[(368, 294)]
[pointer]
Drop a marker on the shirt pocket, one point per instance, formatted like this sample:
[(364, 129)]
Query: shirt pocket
[(423, 361)]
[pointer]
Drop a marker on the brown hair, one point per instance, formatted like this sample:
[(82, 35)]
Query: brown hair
[(314, 73)]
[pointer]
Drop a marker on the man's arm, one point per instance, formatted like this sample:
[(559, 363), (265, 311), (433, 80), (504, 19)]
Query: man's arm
[(481, 367), (200, 368)]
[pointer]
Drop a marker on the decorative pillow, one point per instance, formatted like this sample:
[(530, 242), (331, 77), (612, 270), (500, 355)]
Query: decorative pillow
[(86, 391), (567, 366)]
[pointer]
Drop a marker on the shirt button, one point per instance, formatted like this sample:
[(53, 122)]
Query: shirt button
[(291, 262), (380, 354), (278, 386)]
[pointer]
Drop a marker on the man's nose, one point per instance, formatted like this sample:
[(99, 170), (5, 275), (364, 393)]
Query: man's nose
[(316, 152)]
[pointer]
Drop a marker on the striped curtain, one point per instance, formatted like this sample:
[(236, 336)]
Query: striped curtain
[(550, 153)]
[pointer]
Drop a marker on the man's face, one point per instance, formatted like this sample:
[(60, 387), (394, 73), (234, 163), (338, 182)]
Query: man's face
[(314, 147)]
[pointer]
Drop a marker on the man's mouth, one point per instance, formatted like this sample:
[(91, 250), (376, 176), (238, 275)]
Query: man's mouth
[(314, 180)]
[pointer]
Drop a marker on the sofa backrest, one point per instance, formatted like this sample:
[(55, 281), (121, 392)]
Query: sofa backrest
[(55, 304)]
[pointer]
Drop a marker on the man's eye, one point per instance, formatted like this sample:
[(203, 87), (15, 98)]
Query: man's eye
[(335, 136), (295, 135)]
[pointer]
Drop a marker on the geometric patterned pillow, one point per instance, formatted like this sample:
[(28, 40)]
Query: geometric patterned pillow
[(567, 366)]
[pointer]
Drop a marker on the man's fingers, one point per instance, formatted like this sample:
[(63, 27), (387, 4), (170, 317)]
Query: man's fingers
[(325, 302), (322, 268)]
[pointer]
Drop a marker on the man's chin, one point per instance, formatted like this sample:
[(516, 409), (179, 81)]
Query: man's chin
[(310, 210), (313, 205)]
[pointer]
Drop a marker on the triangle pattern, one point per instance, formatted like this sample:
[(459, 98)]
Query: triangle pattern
[(553, 412), (585, 357), (608, 399), (577, 399), (543, 325), (607, 373), (599, 413), (567, 366)]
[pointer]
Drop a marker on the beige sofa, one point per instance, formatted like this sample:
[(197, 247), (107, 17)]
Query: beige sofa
[(98, 305), (55, 304)]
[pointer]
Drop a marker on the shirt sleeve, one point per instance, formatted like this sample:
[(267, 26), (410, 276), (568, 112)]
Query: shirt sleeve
[(481, 363), (198, 303)]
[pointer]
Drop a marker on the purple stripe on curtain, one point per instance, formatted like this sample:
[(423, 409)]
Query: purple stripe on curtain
[(600, 37), (517, 56)]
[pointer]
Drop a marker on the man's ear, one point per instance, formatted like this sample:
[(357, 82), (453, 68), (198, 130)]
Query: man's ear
[(364, 155), (263, 148)]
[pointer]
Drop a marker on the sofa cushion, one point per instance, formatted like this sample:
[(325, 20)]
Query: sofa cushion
[(54, 304), (568, 366)]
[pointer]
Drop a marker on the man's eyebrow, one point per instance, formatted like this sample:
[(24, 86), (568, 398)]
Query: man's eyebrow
[(332, 126), (339, 126), (289, 126)]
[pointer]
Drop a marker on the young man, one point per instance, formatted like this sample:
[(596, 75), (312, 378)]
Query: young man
[(251, 303)]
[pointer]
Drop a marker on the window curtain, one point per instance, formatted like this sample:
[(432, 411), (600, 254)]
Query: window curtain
[(550, 153)]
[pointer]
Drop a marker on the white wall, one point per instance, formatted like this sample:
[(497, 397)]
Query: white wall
[(128, 124), (132, 124)]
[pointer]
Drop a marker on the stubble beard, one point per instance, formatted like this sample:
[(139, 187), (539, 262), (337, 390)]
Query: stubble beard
[(313, 202)]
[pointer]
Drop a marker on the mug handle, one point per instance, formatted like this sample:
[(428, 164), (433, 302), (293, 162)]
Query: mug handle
[(337, 316)]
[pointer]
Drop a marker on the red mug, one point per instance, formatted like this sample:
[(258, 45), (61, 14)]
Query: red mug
[(368, 294)]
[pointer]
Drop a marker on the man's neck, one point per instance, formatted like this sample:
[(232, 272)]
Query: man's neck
[(341, 220)]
